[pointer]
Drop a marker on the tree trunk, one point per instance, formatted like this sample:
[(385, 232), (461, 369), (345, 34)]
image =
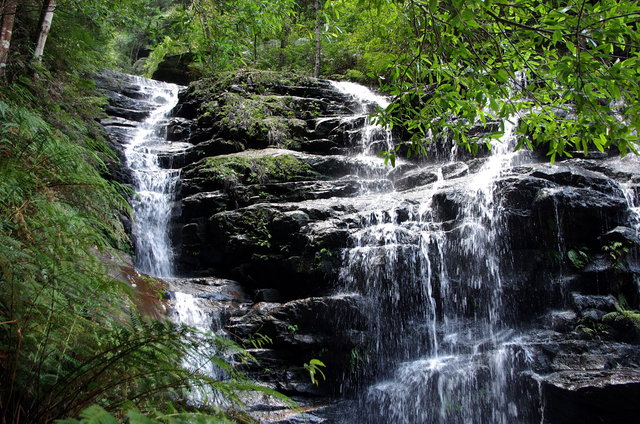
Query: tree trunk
[(316, 64), (8, 17), (283, 45), (48, 9), (255, 48)]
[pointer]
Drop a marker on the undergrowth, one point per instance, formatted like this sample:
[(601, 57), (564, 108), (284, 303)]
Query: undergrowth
[(72, 345)]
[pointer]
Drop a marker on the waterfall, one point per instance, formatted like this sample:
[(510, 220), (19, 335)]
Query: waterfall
[(154, 185), (442, 347), (372, 137), (190, 309), (436, 257)]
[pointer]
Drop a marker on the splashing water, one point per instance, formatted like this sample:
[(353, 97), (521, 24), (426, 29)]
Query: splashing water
[(371, 134), (423, 303)]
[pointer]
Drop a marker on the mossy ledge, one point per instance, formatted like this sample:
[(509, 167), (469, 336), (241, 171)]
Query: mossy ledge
[(251, 167)]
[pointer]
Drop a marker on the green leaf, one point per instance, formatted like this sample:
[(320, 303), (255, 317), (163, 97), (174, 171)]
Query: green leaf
[(135, 417), (502, 76), (97, 415)]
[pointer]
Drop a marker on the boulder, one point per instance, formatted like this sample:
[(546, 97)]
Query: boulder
[(607, 396), (176, 69)]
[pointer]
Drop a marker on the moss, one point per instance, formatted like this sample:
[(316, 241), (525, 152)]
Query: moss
[(271, 120), (256, 227), (253, 80), (247, 169)]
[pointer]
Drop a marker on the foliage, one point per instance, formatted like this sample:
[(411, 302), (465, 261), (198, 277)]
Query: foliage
[(70, 335), (566, 74), (625, 315), (258, 340), (314, 368), (56, 209), (569, 73), (80, 39), (97, 415), (579, 257), (255, 170), (616, 251), (223, 34)]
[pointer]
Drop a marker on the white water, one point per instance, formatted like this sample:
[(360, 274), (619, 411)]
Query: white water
[(435, 301), (152, 205), (189, 310), (154, 185), (444, 351), (370, 133)]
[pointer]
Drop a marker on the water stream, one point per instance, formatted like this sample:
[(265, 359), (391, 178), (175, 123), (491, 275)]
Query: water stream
[(154, 185), (444, 340), (155, 188), (443, 347)]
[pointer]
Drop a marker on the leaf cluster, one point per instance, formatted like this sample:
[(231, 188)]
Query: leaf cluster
[(568, 73)]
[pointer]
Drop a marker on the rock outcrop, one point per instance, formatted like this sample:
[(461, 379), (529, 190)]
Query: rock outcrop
[(276, 192)]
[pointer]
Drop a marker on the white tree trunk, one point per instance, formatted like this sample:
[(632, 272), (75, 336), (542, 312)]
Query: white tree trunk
[(48, 10), (8, 17), (316, 65)]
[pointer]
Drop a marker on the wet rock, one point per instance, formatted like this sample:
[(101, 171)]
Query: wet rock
[(621, 234), (128, 114), (173, 155), (595, 397), (282, 229), (563, 321), (578, 212), (574, 176), (119, 101), (176, 69), (454, 170), (415, 178), (298, 331), (324, 146), (268, 295), (448, 203), (602, 303), (178, 129)]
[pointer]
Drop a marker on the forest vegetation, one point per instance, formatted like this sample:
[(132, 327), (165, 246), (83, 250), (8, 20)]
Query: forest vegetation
[(71, 336)]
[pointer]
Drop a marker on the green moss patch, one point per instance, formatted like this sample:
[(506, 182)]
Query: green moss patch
[(251, 80), (252, 169)]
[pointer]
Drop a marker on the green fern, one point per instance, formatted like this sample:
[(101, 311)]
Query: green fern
[(72, 343)]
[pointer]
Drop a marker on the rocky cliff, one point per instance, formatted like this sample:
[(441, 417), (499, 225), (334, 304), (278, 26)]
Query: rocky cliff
[(319, 250)]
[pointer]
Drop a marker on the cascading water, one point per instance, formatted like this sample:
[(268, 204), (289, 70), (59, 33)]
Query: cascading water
[(154, 185), (367, 101), (370, 137), (441, 336), (442, 347), (152, 205)]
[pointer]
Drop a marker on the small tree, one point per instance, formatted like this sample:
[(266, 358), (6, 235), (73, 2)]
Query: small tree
[(48, 9)]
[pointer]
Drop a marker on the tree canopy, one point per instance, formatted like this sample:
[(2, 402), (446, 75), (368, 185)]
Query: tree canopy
[(567, 70), (449, 64)]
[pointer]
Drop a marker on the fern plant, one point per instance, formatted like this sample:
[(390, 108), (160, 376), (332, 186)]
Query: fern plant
[(72, 343)]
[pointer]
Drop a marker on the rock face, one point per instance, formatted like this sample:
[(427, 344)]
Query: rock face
[(365, 267)]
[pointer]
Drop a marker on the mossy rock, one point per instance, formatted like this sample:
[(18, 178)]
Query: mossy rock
[(251, 167), (260, 120), (249, 80)]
